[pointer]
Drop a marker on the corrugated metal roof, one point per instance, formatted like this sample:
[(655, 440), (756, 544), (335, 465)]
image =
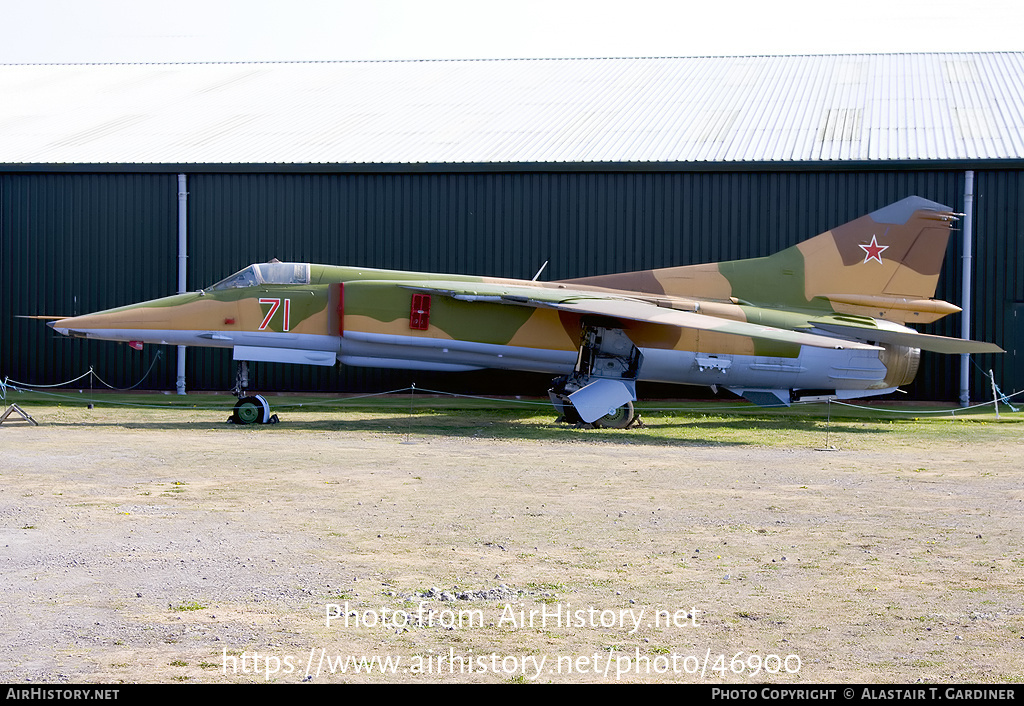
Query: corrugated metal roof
[(872, 107)]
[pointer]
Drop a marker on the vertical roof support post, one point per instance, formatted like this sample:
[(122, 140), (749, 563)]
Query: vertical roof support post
[(182, 260), (965, 295)]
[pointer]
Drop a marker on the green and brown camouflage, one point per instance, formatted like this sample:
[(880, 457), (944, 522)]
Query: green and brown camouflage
[(850, 289), (882, 265)]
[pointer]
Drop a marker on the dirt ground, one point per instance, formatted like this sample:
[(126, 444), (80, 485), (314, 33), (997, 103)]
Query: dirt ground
[(173, 547)]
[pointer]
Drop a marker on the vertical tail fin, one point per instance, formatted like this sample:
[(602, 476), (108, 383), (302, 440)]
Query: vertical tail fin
[(885, 264), (896, 251)]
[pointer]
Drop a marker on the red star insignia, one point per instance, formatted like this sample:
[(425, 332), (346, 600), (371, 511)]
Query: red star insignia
[(873, 251)]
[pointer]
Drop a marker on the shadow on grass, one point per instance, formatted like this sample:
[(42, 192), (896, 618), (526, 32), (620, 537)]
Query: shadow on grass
[(682, 424), (657, 430)]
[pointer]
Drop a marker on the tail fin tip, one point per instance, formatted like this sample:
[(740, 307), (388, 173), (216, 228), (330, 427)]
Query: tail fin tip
[(900, 212)]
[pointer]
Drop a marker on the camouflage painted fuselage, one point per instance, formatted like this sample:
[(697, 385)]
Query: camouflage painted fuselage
[(826, 314)]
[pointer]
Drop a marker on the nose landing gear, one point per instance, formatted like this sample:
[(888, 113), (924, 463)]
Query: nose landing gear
[(249, 409)]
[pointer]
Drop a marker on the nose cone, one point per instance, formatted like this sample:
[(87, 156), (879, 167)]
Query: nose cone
[(151, 319)]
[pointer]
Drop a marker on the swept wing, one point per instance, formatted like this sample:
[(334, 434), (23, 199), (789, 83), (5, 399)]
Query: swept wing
[(580, 301)]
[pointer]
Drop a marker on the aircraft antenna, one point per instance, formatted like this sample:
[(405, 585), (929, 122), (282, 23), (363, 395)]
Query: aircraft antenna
[(534, 279)]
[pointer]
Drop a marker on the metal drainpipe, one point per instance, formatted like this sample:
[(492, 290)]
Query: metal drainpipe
[(182, 259), (965, 294)]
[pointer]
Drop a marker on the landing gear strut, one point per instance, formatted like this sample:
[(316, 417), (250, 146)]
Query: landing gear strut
[(250, 409), (599, 392)]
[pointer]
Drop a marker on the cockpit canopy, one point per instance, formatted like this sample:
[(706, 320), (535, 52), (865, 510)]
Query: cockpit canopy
[(266, 273)]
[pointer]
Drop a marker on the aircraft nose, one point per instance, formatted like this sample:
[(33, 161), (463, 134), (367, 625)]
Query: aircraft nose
[(122, 323), (89, 325)]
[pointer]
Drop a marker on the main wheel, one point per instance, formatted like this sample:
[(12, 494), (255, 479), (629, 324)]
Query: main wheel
[(251, 410), (619, 419), (566, 412)]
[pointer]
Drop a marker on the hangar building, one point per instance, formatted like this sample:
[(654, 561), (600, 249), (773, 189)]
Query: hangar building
[(485, 167)]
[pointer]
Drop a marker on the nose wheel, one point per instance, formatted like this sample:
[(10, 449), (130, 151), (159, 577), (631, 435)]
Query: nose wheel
[(253, 410), (250, 409)]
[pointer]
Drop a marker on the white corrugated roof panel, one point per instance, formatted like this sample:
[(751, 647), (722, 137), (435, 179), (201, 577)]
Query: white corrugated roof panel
[(872, 107)]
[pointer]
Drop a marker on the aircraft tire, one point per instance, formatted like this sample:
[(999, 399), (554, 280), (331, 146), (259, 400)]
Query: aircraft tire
[(251, 410), (567, 414), (621, 418)]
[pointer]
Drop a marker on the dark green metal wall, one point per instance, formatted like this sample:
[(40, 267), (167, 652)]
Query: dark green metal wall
[(73, 243)]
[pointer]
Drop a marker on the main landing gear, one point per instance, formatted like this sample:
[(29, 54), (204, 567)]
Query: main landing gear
[(250, 409), (621, 417), (601, 390)]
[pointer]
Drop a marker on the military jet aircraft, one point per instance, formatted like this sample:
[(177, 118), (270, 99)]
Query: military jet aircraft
[(825, 317)]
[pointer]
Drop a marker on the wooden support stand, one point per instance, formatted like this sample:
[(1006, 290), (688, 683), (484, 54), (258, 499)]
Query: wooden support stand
[(22, 413)]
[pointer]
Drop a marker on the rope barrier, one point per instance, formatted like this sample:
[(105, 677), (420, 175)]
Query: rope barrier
[(218, 408), (17, 384), (925, 411), (7, 383), (90, 371), (126, 389)]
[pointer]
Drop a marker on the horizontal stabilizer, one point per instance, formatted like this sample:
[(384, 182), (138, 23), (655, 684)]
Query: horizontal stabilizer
[(912, 339)]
